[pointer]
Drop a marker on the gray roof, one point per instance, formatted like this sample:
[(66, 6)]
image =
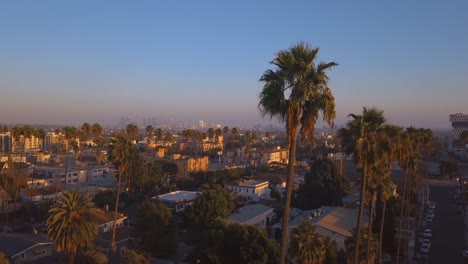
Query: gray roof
[(177, 196), (248, 212), (15, 243), (338, 219)]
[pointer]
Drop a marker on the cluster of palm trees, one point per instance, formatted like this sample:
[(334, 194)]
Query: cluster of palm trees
[(297, 92), (376, 147)]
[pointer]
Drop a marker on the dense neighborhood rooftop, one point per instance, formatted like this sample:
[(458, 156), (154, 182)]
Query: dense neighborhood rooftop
[(177, 196), (248, 212)]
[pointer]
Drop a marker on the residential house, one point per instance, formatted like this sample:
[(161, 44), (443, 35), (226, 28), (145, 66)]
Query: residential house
[(106, 220), (178, 200), (25, 248), (251, 189), (335, 223), (253, 214), (40, 195), (105, 228)]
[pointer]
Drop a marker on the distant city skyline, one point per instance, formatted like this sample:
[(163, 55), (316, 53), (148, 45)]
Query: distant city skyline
[(67, 63)]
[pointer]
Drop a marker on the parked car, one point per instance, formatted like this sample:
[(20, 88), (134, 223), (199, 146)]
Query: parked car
[(427, 233), (425, 249), (465, 253), (426, 242)]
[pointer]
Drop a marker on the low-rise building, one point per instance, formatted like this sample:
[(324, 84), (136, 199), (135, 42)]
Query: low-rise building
[(186, 165), (178, 200), (251, 189), (52, 176), (25, 248), (335, 223), (123, 234), (40, 195), (253, 214), (106, 220)]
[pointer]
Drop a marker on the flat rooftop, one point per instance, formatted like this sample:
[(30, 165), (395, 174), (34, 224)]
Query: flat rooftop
[(249, 183), (177, 196), (248, 212)]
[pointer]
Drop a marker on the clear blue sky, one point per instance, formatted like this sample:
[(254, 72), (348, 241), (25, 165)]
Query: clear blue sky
[(67, 63)]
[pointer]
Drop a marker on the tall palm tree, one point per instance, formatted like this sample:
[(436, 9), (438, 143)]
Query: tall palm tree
[(119, 155), (407, 158), (159, 134), (149, 133), (132, 131), (97, 131), (306, 245), (296, 93), (359, 138), (72, 224), (351, 247)]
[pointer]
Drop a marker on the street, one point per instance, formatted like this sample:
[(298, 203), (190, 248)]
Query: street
[(448, 231)]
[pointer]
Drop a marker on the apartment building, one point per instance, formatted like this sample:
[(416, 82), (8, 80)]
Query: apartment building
[(250, 189), (5, 142), (459, 124), (49, 176)]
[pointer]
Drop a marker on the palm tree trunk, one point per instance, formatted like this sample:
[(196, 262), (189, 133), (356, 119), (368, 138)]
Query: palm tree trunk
[(408, 212), (113, 245), (401, 217), (287, 202), (361, 210), (369, 227), (71, 259), (384, 207)]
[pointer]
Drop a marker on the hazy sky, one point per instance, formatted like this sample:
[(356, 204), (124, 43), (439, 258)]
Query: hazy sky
[(97, 61)]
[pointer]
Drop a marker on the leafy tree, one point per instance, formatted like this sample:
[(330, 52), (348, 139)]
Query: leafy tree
[(236, 243), (131, 257), (306, 245), (323, 186), (72, 224), (296, 93), (155, 229), (213, 203), (448, 167), (103, 198), (90, 255), (275, 194)]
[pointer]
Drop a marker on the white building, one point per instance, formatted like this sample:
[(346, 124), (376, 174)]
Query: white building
[(178, 200), (250, 189), (253, 214), (49, 176)]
